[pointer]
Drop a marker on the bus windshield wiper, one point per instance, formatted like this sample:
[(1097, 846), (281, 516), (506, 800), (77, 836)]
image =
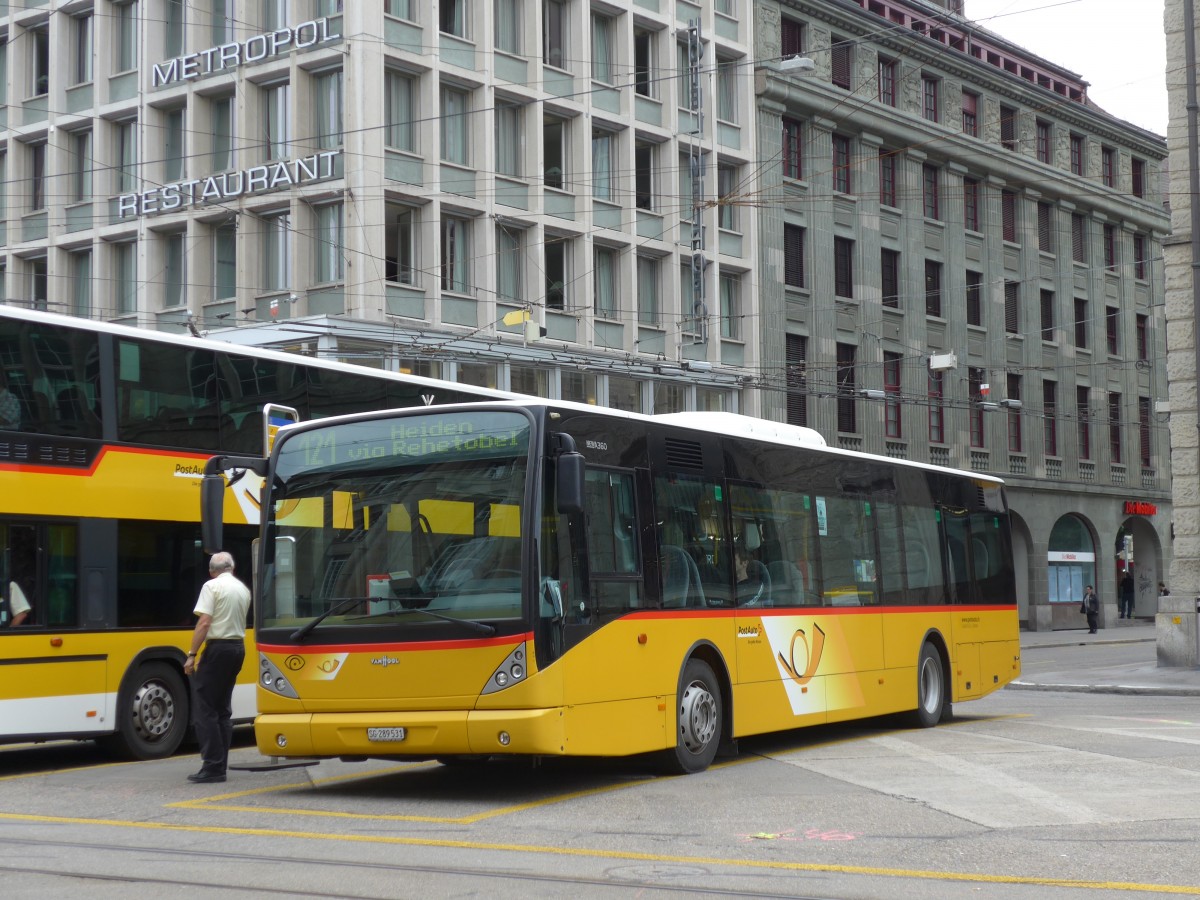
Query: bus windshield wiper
[(481, 627), (345, 603)]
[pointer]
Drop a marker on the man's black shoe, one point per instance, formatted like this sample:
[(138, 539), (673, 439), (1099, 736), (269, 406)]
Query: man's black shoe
[(206, 778)]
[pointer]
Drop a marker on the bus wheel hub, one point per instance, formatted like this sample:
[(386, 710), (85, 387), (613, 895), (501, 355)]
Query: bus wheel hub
[(697, 717), (153, 710)]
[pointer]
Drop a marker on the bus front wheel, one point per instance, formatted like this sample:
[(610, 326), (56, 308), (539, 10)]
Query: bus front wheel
[(932, 695), (699, 720), (152, 713)]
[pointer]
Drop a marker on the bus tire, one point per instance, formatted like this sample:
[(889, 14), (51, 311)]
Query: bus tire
[(932, 695), (699, 720), (152, 713)]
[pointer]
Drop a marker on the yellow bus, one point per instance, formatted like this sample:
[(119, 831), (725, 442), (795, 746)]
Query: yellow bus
[(104, 433), (547, 579)]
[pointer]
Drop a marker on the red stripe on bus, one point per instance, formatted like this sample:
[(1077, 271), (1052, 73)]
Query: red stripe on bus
[(813, 611), (465, 643), (104, 451)]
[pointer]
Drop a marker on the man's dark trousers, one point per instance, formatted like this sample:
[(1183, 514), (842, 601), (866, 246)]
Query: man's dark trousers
[(212, 702)]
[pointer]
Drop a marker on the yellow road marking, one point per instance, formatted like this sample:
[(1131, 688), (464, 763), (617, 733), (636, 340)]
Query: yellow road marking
[(922, 874)]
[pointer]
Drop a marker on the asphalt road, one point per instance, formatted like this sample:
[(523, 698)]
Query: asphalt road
[(1026, 794)]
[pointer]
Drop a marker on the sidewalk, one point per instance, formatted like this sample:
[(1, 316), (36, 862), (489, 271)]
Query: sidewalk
[(1133, 678)]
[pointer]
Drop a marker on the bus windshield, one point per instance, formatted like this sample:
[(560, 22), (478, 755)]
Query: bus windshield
[(405, 523)]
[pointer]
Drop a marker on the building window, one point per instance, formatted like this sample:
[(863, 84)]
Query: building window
[(1078, 238), (1012, 307), (892, 425), (81, 166), (554, 152), (649, 311), (400, 105), (1112, 329), (275, 13), (1083, 423), (456, 255), (1143, 344), (507, 21), (793, 148), (174, 270), (222, 21), (1008, 215), (796, 379), (842, 58), (887, 177), (727, 197), (937, 415), (509, 135), (970, 114), (1008, 128), (643, 63), (1050, 416), (843, 267), (39, 72), (1045, 214), (1139, 256), (643, 175), (221, 125), (127, 36), (1015, 438), (1047, 309), (277, 252), (1076, 154), (329, 243), (557, 268), (509, 256), (603, 29), (1114, 428), (602, 164), (1138, 174), (727, 89), (847, 389), (1108, 166), (126, 134), (225, 261), (970, 204), (929, 98), (887, 81), (452, 17), (81, 283), (81, 48), (730, 289), (933, 288), (176, 21), (1044, 146), (791, 37), (974, 299), (1144, 431), (1110, 246), (328, 108), (931, 177), (125, 278), (841, 164), (889, 277), (1081, 323), (554, 33), (604, 281), (975, 387), (793, 256), (455, 127), (276, 122)]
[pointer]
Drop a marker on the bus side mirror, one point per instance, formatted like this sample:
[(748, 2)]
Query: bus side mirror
[(569, 488), (212, 512)]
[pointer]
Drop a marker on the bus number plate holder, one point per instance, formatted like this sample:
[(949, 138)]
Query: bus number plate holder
[(386, 735)]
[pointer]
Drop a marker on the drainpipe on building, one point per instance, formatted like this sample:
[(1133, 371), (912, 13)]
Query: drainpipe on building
[(1193, 140)]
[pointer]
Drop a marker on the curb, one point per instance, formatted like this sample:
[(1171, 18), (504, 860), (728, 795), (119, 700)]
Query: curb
[(1106, 689)]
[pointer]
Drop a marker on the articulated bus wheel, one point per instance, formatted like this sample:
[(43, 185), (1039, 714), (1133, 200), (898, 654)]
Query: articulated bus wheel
[(699, 722), (933, 697), (152, 714)]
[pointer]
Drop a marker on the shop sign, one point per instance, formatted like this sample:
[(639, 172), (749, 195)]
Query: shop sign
[(229, 185), (1140, 508), (228, 56), (1070, 556)]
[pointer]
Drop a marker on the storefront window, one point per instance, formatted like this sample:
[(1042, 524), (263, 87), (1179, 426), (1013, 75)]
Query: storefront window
[(1071, 560)]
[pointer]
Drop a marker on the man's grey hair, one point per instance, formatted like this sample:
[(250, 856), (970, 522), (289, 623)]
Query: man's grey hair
[(221, 562)]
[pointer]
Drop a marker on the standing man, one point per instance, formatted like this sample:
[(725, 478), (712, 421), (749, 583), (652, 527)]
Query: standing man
[(1125, 609), (221, 628)]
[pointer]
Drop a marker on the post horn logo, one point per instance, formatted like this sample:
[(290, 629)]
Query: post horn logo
[(812, 653)]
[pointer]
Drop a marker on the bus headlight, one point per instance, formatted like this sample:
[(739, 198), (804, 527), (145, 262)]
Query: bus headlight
[(511, 671), (271, 679)]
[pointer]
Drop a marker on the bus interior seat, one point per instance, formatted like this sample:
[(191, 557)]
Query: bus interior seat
[(756, 591), (787, 581), (680, 578)]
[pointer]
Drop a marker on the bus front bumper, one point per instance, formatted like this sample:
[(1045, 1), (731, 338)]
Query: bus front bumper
[(426, 733)]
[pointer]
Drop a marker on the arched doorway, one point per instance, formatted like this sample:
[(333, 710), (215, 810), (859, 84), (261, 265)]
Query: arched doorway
[(1070, 566), (1140, 552)]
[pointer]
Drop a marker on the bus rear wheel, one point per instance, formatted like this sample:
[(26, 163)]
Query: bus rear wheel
[(932, 696), (152, 714), (699, 720)]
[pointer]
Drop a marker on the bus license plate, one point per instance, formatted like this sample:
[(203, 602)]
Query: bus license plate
[(386, 734)]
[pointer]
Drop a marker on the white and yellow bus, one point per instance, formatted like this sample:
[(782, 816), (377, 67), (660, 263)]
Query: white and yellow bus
[(546, 579), (104, 433)]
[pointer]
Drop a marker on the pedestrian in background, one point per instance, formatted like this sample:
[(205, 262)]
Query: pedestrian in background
[(1091, 608), (1125, 605), (221, 629)]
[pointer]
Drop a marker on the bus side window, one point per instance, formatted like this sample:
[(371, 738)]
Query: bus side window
[(613, 559)]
